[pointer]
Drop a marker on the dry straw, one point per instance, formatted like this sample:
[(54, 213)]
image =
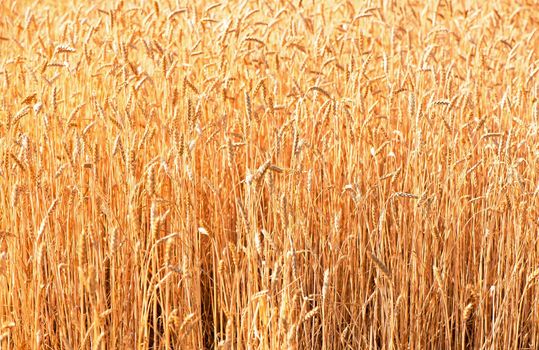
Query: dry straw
[(312, 175)]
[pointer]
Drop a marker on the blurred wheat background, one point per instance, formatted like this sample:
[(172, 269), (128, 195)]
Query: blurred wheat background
[(269, 174)]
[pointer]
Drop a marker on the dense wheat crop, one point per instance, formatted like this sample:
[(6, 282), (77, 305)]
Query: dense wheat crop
[(269, 174)]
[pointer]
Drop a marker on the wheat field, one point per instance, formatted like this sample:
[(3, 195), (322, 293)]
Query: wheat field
[(269, 174)]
